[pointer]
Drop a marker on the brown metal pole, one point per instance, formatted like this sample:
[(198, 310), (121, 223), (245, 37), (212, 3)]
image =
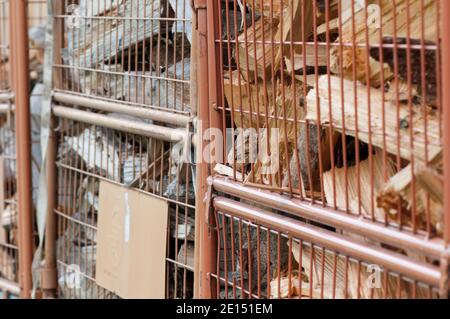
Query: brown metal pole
[(49, 272), (206, 253), (20, 84), (445, 27), (445, 8)]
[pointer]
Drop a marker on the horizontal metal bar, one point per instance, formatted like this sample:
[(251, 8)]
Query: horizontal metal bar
[(108, 106), (392, 261), (150, 130), (9, 286), (433, 248), (6, 97), (5, 108)]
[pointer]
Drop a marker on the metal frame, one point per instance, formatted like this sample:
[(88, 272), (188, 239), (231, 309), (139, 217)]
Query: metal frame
[(285, 201)]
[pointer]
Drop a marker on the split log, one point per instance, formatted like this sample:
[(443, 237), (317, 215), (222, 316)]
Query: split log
[(349, 278), (343, 191), (312, 58), (257, 53), (186, 254), (246, 100), (356, 30), (258, 57), (102, 40), (169, 90), (227, 171), (426, 88), (422, 198), (368, 113)]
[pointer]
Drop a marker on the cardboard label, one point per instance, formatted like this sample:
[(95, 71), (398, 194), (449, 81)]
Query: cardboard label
[(131, 243)]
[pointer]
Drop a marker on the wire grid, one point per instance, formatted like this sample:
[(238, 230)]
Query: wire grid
[(256, 261), (136, 52), (90, 154), (337, 103), (8, 220)]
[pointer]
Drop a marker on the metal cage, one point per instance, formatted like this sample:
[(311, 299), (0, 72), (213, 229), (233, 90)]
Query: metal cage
[(121, 113), (332, 164)]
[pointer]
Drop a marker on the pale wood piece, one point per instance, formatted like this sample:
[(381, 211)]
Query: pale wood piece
[(364, 202), (426, 146)]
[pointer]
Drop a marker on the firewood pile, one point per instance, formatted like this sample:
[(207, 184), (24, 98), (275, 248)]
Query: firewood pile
[(356, 109), (137, 52)]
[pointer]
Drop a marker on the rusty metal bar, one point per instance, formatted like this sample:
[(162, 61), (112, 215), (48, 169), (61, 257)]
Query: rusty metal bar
[(49, 271), (141, 112), (445, 8), (432, 248), (206, 239), (159, 132), (20, 84), (394, 262)]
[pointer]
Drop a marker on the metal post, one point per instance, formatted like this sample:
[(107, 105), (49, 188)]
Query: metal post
[(206, 238), (20, 84), (445, 20), (445, 11), (49, 272)]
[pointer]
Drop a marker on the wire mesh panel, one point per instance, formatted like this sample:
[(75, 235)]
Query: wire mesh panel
[(263, 260), (125, 62), (336, 104)]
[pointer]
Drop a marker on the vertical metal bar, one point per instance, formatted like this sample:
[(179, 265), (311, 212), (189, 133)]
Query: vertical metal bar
[(445, 262), (49, 279), (20, 84), (207, 252), (445, 11)]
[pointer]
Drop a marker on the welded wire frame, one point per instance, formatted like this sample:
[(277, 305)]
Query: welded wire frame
[(8, 211), (88, 154), (9, 265), (258, 260), (352, 88), (137, 51)]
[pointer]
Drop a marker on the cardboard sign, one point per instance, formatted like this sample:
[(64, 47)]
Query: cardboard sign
[(131, 243)]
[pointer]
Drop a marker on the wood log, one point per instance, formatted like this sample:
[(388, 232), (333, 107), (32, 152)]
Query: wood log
[(343, 191), (426, 88), (356, 30), (256, 52), (422, 198), (369, 112), (102, 40), (258, 57), (244, 99), (186, 254), (345, 275)]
